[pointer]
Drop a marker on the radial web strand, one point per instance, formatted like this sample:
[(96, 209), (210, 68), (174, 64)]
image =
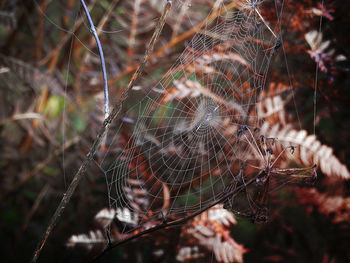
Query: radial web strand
[(185, 142)]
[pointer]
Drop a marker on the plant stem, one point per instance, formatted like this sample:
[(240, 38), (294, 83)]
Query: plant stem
[(103, 64), (101, 134)]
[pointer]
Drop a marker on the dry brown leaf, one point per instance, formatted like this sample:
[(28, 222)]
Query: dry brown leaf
[(309, 150)]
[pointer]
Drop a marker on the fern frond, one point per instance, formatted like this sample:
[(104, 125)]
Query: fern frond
[(309, 150), (192, 89), (211, 231), (187, 253), (272, 109), (225, 251), (220, 215), (126, 216), (104, 217), (182, 90), (337, 207), (93, 239), (219, 56)]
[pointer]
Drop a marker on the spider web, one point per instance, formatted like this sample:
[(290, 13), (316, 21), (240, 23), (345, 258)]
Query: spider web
[(185, 141)]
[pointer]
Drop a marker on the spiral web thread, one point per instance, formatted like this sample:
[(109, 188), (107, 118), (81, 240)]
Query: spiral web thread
[(182, 144)]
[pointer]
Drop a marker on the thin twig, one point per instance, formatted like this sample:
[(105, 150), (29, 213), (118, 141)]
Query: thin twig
[(101, 134), (39, 41), (21, 116), (35, 206), (178, 39), (132, 35), (103, 65), (150, 48), (170, 44), (66, 197), (29, 216)]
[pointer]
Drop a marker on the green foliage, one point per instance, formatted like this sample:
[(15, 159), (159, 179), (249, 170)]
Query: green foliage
[(54, 107), (163, 112), (78, 120), (30, 194), (121, 10), (291, 235), (50, 170)]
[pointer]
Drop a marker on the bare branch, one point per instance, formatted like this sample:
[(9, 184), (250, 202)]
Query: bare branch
[(101, 134)]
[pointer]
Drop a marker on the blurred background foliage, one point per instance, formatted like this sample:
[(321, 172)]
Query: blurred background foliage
[(51, 109)]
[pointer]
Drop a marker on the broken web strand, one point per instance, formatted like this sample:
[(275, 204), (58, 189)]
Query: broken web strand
[(189, 142)]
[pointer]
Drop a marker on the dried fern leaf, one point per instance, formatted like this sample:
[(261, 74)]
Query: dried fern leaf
[(337, 207), (187, 253), (309, 150), (271, 107), (218, 56), (211, 231), (219, 215), (182, 90), (225, 251), (126, 216), (192, 89), (321, 52), (93, 239), (105, 216)]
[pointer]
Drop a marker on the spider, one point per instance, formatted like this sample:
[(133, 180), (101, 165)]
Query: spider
[(278, 44), (261, 185)]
